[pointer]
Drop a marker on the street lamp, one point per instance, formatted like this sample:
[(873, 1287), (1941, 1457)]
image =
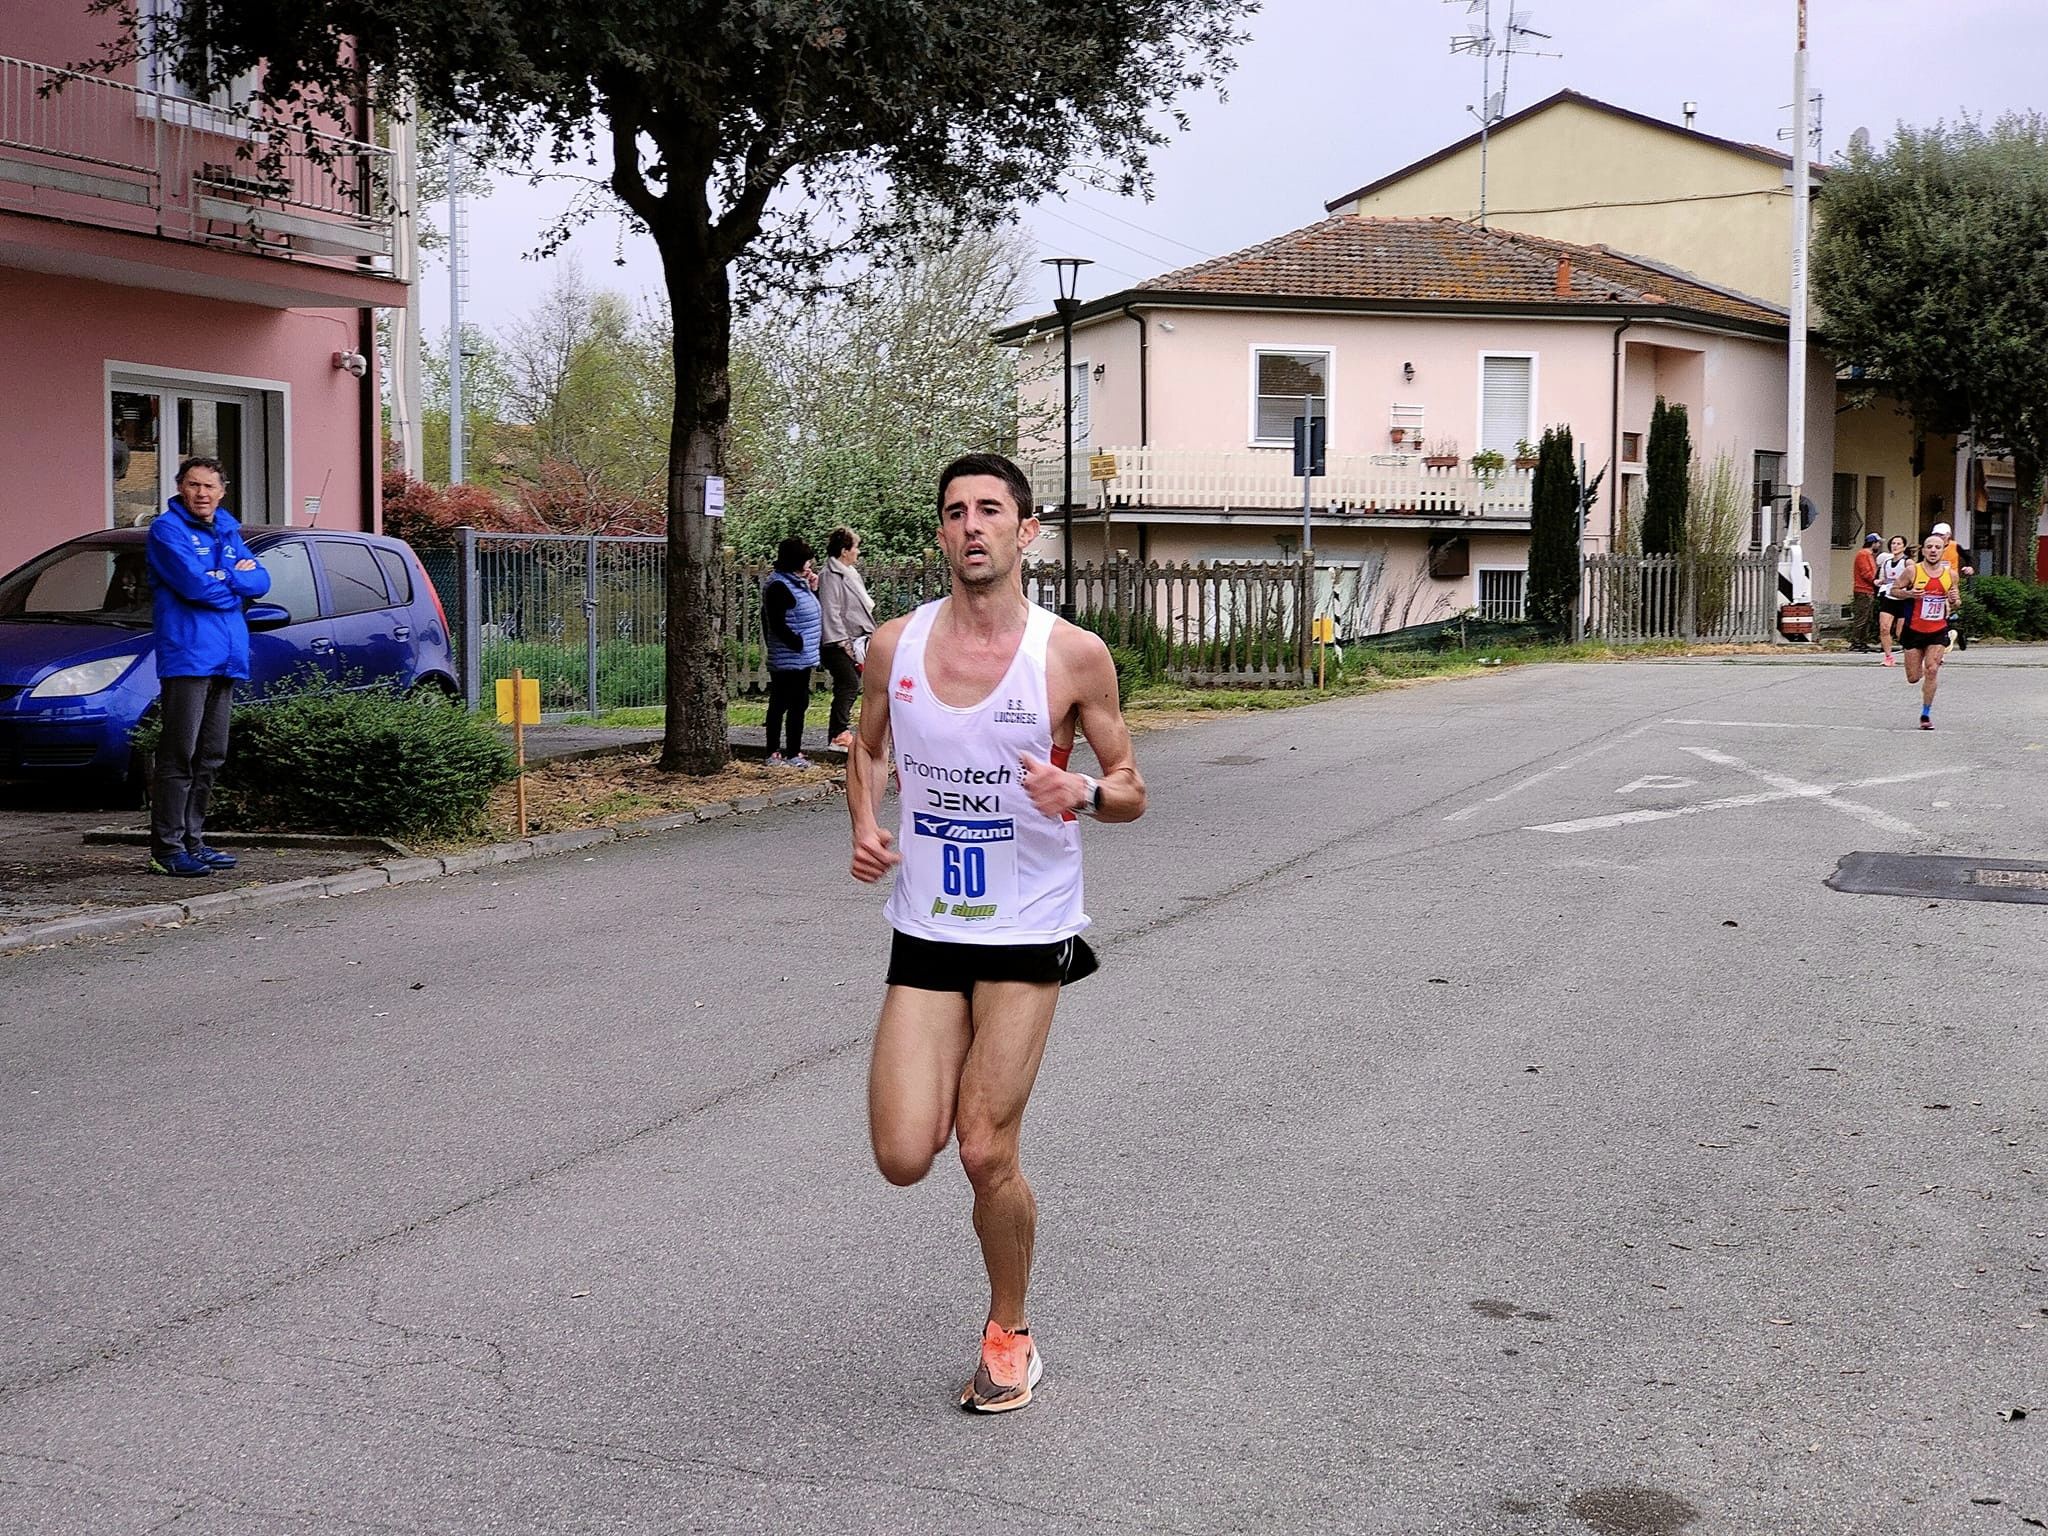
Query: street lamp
[(1068, 269)]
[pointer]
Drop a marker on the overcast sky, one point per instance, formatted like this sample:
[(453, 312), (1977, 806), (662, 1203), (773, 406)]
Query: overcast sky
[(1331, 94)]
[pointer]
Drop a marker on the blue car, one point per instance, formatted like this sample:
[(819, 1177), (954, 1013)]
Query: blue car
[(78, 657)]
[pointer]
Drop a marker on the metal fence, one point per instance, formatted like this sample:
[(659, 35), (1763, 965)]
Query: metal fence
[(584, 615), (1731, 597)]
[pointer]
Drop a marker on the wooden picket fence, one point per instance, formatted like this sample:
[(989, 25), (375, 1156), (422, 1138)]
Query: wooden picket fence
[(1732, 597), (1226, 624)]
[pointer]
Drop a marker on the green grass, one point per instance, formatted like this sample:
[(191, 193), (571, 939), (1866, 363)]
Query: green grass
[(649, 717)]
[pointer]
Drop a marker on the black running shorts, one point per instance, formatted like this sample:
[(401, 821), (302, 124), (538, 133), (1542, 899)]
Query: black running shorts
[(1921, 639), (933, 967)]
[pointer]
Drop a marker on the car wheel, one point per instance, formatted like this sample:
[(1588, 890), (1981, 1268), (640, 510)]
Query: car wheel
[(433, 687)]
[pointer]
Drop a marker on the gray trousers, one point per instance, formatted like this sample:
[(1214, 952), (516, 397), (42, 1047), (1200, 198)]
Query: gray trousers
[(189, 753)]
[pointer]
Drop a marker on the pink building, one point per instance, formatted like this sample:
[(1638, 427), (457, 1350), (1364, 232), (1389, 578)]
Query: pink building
[(161, 294), (1423, 344)]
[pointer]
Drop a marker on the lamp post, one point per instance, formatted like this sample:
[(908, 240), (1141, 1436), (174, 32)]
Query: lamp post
[(1068, 270)]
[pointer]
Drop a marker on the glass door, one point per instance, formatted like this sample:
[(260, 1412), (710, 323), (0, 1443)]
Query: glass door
[(157, 426)]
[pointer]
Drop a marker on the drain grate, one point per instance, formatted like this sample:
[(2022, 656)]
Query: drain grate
[(1945, 877)]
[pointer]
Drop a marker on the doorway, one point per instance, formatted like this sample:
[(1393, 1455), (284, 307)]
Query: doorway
[(156, 423)]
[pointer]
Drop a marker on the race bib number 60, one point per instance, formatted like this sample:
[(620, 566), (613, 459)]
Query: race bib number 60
[(966, 868)]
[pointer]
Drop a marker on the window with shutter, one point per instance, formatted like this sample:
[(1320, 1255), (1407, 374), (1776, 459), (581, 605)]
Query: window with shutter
[(1506, 400), (1282, 381), (1082, 436)]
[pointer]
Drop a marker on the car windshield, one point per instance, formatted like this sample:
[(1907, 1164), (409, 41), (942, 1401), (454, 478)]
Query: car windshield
[(91, 584)]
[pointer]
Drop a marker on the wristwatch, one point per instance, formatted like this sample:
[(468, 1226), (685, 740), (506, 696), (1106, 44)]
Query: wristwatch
[(1091, 798)]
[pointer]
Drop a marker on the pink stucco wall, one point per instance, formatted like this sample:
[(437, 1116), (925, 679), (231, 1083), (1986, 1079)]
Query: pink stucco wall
[(61, 333)]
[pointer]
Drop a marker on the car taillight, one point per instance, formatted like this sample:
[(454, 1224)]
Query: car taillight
[(434, 594)]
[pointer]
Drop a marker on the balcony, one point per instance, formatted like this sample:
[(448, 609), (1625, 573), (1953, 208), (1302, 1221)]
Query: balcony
[(1380, 487), (88, 150)]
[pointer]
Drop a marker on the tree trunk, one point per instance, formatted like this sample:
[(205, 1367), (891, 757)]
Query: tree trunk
[(700, 307)]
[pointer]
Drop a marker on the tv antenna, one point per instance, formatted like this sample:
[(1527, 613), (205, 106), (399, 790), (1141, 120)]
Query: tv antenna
[(1515, 39)]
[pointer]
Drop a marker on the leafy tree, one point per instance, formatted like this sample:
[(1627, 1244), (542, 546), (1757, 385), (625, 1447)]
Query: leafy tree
[(1667, 480), (844, 409), (1931, 271), (483, 407), (1557, 502), (760, 142)]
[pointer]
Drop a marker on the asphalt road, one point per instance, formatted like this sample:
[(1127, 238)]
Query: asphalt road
[(1434, 1153)]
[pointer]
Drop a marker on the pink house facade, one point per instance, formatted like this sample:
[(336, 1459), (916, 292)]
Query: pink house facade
[(1416, 342), (163, 295)]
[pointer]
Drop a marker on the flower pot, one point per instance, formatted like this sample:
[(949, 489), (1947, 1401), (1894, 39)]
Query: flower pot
[(1441, 461), (1529, 463)]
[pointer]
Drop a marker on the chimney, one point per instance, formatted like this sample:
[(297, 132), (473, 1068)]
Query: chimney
[(1564, 277)]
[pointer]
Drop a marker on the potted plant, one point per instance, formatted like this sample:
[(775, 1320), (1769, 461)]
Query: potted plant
[(1525, 454), (1398, 435), (1441, 454), (1487, 464)]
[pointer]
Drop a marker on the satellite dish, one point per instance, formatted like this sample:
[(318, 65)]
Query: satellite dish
[(1859, 142)]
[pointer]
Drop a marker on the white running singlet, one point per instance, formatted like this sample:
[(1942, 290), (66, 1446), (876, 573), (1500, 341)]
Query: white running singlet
[(981, 864)]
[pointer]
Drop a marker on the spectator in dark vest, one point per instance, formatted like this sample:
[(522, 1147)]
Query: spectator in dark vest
[(200, 572), (790, 623)]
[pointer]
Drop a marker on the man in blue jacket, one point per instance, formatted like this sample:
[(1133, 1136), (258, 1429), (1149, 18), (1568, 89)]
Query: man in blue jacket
[(200, 571)]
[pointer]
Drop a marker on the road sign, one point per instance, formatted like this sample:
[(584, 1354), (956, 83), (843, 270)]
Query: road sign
[(529, 701), (1101, 466), (1311, 461)]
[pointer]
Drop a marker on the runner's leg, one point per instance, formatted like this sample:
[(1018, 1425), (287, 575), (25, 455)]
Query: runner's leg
[(1913, 658), (1011, 1022), (914, 1078), (1930, 676)]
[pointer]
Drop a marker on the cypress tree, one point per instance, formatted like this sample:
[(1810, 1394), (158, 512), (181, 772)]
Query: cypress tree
[(1553, 591), (1667, 481)]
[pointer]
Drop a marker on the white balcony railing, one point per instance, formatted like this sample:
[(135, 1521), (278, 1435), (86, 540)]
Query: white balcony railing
[(93, 150), (1240, 480)]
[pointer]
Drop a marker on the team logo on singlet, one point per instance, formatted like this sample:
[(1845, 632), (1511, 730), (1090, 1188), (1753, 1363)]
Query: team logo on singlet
[(904, 688), (1013, 712)]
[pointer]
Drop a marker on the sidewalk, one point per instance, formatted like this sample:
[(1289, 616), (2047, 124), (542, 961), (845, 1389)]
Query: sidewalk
[(54, 885)]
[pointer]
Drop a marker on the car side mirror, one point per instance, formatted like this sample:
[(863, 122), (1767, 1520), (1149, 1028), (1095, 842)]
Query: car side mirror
[(267, 616)]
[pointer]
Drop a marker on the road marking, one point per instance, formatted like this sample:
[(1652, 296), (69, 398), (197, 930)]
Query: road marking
[(1824, 793), (1792, 790), (1786, 725), (1656, 781), (1537, 778)]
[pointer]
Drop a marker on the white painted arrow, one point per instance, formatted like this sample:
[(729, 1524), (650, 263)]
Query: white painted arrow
[(1656, 781)]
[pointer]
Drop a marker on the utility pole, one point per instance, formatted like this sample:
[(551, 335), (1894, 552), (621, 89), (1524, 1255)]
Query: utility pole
[(458, 273), (1795, 371)]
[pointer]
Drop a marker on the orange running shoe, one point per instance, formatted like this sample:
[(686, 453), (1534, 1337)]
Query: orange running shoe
[(1010, 1367)]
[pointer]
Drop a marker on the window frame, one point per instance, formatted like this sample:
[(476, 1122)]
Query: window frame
[(331, 602), (1837, 539), (1329, 356), (267, 402), (1479, 575), (1528, 432), (162, 93)]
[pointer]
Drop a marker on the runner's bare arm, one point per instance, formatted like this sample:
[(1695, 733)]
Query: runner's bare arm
[(1080, 662), (867, 760)]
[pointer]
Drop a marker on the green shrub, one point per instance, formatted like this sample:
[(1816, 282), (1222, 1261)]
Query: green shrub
[(1130, 670), (1997, 605), (2036, 624), (370, 762)]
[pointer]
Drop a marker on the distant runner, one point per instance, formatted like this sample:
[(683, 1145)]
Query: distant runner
[(1930, 582), (982, 692)]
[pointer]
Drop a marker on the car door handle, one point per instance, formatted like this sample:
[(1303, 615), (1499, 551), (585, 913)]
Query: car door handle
[(402, 632), (322, 646)]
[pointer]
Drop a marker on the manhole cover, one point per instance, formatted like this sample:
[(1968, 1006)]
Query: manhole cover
[(1945, 877), (1235, 760)]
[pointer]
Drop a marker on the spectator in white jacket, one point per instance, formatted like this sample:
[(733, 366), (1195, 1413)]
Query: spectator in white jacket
[(849, 619)]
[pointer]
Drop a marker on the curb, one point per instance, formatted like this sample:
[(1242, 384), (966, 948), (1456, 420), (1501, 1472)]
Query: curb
[(373, 877)]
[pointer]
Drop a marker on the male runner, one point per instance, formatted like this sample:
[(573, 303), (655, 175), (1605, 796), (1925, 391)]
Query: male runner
[(1930, 584), (982, 691)]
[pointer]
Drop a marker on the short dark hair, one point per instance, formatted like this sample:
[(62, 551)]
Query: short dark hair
[(200, 461), (839, 541), (988, 464), (792, 555)]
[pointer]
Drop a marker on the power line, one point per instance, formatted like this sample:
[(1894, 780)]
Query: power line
[(1087, 229), (1141, 229)]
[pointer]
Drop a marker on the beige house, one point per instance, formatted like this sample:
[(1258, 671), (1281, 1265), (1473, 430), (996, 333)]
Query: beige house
[(1434, 353), (1574, 168)]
